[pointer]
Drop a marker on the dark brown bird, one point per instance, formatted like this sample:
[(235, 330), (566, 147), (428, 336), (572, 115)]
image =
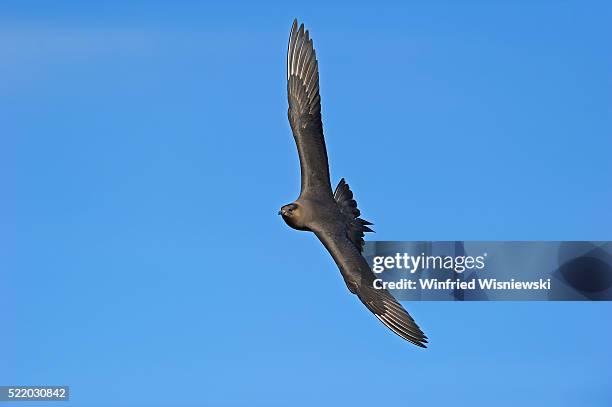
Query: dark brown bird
[(332, 217)]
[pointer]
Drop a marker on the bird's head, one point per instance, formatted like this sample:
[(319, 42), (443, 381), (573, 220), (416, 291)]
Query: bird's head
[(292, 215)]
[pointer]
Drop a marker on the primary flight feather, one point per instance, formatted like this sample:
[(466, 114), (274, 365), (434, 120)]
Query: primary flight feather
[(332, 216)]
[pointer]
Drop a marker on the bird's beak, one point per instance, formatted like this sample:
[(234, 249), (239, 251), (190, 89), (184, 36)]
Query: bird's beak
[(280, 212)]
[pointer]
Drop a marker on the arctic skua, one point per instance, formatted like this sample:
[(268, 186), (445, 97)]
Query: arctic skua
[(332, 216)]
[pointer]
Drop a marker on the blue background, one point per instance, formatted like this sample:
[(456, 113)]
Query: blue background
[(145, 151)]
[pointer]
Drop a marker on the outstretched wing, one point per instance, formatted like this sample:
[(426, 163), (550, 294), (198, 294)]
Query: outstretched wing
[(359, 280), (305, 112)]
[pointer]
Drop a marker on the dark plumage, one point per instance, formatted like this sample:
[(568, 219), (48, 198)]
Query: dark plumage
[(333, 217)]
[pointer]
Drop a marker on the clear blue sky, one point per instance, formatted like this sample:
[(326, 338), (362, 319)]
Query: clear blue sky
[(145, 151)]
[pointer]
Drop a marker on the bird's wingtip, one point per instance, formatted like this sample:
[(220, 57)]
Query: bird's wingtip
[(296, 26)]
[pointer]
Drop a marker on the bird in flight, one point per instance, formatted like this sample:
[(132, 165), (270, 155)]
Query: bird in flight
[(332, 216)]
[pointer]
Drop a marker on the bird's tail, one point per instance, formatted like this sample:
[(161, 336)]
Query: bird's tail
[(355, 226)]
